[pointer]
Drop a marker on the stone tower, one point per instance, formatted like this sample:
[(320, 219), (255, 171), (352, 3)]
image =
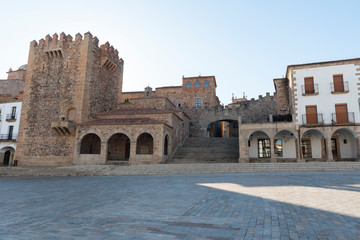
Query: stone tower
[(67, 82)]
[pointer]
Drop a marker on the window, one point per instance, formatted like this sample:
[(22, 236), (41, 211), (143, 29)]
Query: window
[(13, 112), (188, 84), (197, 84), (338, 83), (197, 103), (264, 148), (306, 148), (309, 85), (278, 148), (206, 83), (311, 114), (10, 134), (341, 113)]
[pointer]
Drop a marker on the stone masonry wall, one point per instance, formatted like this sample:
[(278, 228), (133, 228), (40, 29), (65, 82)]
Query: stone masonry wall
[(63, 75)]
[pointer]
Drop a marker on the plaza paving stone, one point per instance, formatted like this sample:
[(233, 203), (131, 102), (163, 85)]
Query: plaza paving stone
[(313, 205)]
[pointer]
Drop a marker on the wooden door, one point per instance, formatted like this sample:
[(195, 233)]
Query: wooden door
[(338, 83), (341, 113), (311, 114), (309, 85)]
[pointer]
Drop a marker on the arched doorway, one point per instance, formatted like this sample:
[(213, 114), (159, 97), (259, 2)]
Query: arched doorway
[(118, 148), (145, 144), (313, 145), (7, 154), (223, 129), (344, 145), (285, 145), (166, 145), (90, 144), (259, 145)]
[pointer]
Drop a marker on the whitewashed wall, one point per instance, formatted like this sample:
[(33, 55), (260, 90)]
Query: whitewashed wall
[(325, 100)]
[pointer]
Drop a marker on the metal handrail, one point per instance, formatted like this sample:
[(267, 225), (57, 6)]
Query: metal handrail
[(305, 91), (9, 137), (319, 118), (10, 117), (339, 87), (348, 117)]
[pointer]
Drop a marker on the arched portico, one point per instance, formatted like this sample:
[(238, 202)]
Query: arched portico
[(118, 147), (313, 145), (344, 145), (259, 145), (90, 144), (285, 145)]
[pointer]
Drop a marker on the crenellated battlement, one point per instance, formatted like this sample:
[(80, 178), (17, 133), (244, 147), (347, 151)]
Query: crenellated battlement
[(55, 47)]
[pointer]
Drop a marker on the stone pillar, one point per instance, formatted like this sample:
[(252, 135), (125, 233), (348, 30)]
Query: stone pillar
[(132, 158), (243, 145), (272, 150), (329, 156), (103, 152)]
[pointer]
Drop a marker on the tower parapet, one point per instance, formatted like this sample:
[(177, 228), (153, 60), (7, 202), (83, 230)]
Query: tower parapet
[(68, 80)]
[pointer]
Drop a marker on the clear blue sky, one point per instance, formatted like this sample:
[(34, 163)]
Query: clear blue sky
[(245, 44)]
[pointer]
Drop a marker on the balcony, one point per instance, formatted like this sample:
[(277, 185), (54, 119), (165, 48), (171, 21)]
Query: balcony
[(8, 137), (312, 118), (10, 117), (310, 90), (338, 118), (339, 87)]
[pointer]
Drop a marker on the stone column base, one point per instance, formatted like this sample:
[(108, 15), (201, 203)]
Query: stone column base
[(243, 160)]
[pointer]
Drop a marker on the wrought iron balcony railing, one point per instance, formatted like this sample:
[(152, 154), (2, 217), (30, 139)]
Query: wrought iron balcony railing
[(312, 118), (339, 87), (309, 90), (8, 137), (10, 117), (348, 117)]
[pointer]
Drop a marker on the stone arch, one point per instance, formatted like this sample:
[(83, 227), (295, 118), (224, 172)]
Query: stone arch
[(259, 144), (285, 144), (7, 156), (90, 144), (313, 144), (223, 128), (118, 147), (344, 144), (145, 144)]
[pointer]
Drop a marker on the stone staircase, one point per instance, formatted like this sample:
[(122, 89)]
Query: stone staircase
[(159, 169), (207, 150)]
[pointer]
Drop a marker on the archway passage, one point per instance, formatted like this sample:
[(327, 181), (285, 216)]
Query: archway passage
[(223, 129), (313, 145), (118, 148), (90, 144), (145, 144), (344, 145)]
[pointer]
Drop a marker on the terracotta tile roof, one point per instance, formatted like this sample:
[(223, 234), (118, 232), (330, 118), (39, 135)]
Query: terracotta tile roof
[(324, 62), (138, 111), (123, 121)]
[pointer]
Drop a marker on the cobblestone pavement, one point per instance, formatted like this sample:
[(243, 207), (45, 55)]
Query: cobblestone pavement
[(314, 205)]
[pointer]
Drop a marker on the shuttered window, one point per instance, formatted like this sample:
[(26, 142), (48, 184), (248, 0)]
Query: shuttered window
[(341, 113), (338, 83), (309, 85), (311, 114)]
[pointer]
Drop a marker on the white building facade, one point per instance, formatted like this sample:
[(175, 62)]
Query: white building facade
[(9, 125), (326, 109)]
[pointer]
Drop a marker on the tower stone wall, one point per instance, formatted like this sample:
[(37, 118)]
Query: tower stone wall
[(67, 82)]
